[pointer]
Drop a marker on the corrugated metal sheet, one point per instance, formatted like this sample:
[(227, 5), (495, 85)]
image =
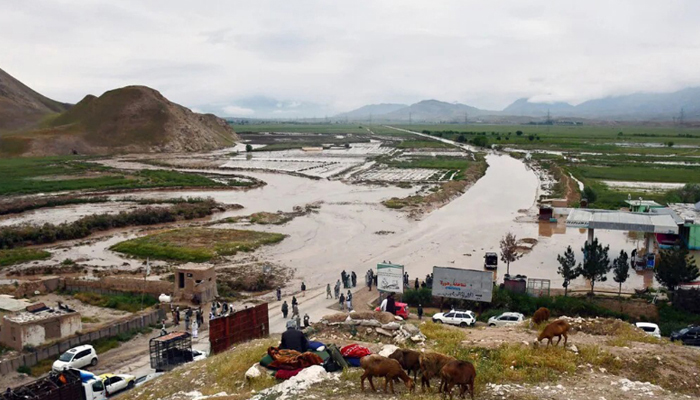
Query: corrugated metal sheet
[(622, 221), (244, 325)]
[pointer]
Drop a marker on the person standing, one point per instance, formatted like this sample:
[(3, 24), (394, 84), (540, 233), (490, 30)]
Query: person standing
[(303, 289), (342, 302), (337, 289), (354, 279), (391, 304), (417, 285), (343, 277), (295, 310), (294, 300), (420, 311), (293, 339), (348, 299), (306, 320), (279, 293), (187, 321), (195, 329), (163, 332), (328, 291), (285, 309), (369, 282)]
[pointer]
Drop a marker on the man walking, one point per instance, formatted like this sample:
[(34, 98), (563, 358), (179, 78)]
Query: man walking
[(295, 310), (303, 289), (342, 302), (285, 309), (187, 320), (337, 289), (328, 291), (420, 311), (348, 299), (354, 279), (279, 293)]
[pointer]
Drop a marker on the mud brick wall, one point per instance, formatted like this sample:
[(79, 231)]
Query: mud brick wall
[(31, 358), (118, 285)]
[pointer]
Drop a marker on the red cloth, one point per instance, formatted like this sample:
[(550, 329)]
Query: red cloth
[(355, 351), (287, 373)]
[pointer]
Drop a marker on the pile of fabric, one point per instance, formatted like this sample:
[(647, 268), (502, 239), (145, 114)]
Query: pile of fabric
[(288, 363)]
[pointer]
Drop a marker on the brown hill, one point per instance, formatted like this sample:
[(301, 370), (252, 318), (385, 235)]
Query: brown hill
[(21, 107), (129, 119)]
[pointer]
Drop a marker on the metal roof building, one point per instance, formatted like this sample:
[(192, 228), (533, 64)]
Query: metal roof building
[(622, 221)]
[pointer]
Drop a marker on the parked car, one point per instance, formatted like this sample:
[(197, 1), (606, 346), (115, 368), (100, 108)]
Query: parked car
[(143, 379), (456, 317), (77, 357), (401, 310), (689, 336), (649, 328), (117, 382), (505, 319)]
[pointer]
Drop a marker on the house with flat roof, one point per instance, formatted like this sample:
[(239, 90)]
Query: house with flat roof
[(38, 324)]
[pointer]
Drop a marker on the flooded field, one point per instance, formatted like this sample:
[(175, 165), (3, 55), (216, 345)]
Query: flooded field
[(643, 186), (61, 214)]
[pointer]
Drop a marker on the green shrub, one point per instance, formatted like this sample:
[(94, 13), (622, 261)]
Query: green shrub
[(414, 297), (23, 369)]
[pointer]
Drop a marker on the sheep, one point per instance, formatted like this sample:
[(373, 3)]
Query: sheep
[(390, 369), (409, 360), (460, 373), (430, 366), (541, 315), (557, 328)]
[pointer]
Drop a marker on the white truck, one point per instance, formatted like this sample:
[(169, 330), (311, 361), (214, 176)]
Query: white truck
[(71, 384)]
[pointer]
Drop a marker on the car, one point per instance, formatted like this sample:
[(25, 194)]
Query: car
[(505, 319), (649, 328), (401, 310), (462, 318), (143, 379), (117, 382), (688, 336), (77, 357)]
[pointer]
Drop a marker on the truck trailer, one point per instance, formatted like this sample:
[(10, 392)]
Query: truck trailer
[(71, 384)]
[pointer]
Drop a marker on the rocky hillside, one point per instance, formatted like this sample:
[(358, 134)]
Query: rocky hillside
[(129, 119), (22, 107)]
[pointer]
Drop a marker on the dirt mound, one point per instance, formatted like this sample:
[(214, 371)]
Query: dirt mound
[(599, 326), (20, 106), (129, 119), (381, 316)]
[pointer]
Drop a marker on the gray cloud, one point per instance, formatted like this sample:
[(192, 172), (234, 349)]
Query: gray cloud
[(335, 56)]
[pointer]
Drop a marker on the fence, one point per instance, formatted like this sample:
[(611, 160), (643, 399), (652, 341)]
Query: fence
[(118, 285), (251, 323), (538, 287), (30, 359)]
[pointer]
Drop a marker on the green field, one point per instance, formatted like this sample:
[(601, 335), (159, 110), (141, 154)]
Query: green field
[(15, 256), (196, 244), (52, 174), (422, 144)]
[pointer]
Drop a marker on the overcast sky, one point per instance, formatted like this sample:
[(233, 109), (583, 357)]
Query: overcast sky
[(310, 58)]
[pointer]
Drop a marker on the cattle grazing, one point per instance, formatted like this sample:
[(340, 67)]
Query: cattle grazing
[(541, 315), (409, 360), (430, 366), (557, 328), (375, 365), (459, 373)]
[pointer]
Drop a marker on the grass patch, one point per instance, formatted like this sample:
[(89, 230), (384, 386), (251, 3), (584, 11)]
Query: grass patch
[(639, 172), (43, 367), (196, 244), (105, 344), (439, 162), (89, 320), (268, 218), (123, 302), (16, 256), (29, 175)]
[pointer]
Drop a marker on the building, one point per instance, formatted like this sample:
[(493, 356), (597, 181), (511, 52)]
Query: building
[(38, 324), (641, 206), (688, 223), (195, 283)]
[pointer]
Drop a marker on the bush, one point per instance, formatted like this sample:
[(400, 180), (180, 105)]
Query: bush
[(23, 369), (414, 297)]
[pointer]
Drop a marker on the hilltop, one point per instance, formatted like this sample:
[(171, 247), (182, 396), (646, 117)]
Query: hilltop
[(22, 107), (129, 119)]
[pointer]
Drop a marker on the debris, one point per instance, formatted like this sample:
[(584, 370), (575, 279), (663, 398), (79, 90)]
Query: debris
[(383, 332), (392, 326)]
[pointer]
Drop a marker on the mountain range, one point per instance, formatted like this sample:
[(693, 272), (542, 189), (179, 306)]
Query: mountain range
[(128, 119), (633, 107)]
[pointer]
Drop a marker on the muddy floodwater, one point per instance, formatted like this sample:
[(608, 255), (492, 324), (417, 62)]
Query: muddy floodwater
[(354, 231)]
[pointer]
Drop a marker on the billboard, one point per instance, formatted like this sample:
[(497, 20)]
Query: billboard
[(390, 278), (464, 284)]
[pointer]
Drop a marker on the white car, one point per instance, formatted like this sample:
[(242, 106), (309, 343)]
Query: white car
[(505, 319), (649, 328), (77, 357), (456, 317), (117, 382)]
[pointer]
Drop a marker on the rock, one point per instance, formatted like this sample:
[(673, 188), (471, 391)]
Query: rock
[(383, 332), (417, 338), (370, 322), (411, 329), (399, 340), (351, 322), (392, 326), (396, 317), (369, 331), (388, 350), (254, 372), (573, 348)]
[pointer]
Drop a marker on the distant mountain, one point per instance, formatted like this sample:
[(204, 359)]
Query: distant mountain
[(365, 112), (129, 119), (638, 106), (522, 107), (22, 107)]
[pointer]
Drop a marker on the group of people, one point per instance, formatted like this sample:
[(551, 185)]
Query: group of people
[(370, 279), (349, 280), (194, 318), (428, 282), (295, 312)]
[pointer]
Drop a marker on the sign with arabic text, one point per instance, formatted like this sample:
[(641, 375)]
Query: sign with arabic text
[(464, 284)]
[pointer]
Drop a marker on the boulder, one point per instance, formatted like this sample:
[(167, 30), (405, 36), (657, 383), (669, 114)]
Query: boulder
[(256, 371), (412, 329), (370, 322), (388, 350), (391, 326), (418, 338), (383, 332)]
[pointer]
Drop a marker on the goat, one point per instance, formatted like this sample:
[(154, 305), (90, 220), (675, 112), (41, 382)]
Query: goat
[(541, 315), (557, 328), (430, 366), (409, 360), (460, 373), (375, 365)]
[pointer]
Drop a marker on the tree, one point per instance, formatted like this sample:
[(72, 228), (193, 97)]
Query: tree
[(480, 141), (519, 133), (248, 148), (461, 139), (590, 194), (531, 137), (596, 263), (675, 267), (509, 250), (621, 270), (567, 268)]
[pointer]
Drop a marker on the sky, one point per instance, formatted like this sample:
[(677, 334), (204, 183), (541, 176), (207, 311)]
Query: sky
[(288, 59)]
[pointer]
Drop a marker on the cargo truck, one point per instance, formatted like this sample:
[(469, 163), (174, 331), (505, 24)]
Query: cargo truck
[(71, 384)]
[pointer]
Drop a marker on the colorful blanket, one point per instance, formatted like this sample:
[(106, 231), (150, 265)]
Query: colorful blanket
[(292, 359), (354, 351)]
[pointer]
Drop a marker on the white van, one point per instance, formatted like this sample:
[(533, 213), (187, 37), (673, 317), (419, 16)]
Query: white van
[(77, 357)]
